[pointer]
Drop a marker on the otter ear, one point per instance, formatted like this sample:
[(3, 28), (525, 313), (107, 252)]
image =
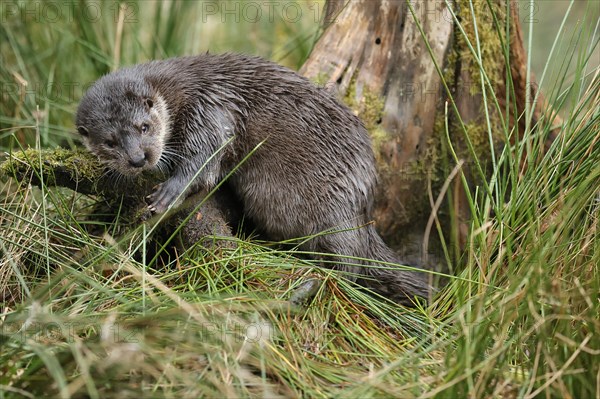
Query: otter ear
[(83, 131), (149, 103)]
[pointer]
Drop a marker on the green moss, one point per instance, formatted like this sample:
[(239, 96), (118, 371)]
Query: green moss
[(321, 79), (369, 107), (462, 61), (477, 133), (80, 163), (378, 137), (492, 61), (371, 110)]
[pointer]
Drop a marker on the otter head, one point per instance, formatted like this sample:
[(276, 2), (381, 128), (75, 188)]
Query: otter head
[(125, 122)]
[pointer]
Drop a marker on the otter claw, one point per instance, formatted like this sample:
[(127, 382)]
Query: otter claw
[(164, 195)]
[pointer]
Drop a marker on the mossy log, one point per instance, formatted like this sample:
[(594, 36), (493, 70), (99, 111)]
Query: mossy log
[(80, 171), (373, 53), (77, 170)]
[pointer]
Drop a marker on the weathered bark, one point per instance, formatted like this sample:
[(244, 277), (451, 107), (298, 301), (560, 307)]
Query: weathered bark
[(373, 54), (376, 57)]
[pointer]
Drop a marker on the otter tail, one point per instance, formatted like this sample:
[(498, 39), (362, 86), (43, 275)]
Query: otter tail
[(391, 281)]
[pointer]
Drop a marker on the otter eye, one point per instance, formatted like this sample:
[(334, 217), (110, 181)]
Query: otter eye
[(110, 143), (82, 130), (145, 128)]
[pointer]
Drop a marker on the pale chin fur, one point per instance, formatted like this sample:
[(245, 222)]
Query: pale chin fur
[(161, 111), (86, 144)]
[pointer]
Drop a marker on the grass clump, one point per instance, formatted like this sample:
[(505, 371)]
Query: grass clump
[(98, 321)]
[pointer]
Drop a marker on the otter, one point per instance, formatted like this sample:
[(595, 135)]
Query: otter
[(309, 166)]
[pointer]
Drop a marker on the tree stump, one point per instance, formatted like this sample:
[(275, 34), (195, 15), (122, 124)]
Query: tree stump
[(374, 54)]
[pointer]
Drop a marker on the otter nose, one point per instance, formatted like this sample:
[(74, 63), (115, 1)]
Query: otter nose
[(138, 162)]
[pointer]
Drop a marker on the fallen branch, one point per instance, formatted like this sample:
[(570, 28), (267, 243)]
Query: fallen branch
[(80, 171)]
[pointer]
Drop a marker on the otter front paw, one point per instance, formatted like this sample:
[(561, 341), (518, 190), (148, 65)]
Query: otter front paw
[(163, 196)]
